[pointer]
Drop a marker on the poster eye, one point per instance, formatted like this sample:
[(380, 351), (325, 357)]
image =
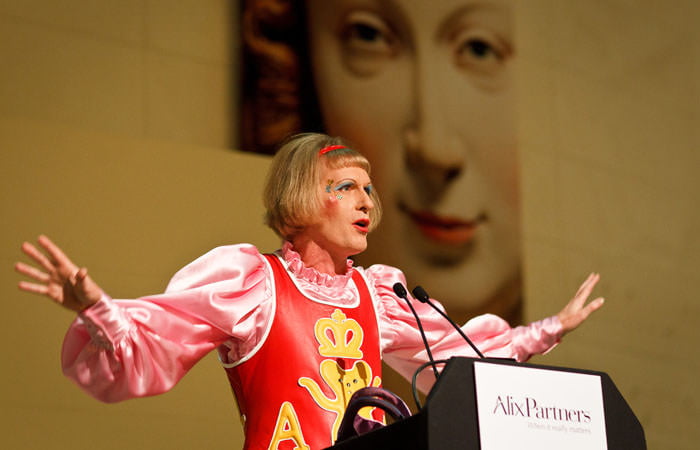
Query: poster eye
[(480, 52), (368, 32), (367, 43)]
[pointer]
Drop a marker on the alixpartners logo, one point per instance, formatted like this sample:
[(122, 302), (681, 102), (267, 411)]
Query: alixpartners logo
[(530, 408)]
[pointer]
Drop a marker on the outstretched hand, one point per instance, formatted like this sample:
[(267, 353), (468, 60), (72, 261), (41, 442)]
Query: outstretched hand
[(58, 278), (576, 311)]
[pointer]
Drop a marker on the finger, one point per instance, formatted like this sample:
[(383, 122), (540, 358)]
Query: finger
[(589, 309), (587, 286), (80, 275), (79, 280), (55, 252), (594, 305), (584, 284), (32, 272), (33, 288), (89, 290), (38, 257)]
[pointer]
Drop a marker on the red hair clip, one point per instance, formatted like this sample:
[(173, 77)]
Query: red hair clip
[(329, 148)]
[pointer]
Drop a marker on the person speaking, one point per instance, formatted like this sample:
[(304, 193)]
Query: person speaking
[(298, 331)]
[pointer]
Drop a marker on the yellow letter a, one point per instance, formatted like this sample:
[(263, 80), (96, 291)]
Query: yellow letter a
[(287, 427)]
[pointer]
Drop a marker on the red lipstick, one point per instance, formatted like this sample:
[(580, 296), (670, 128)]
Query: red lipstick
[(362, 225), (445, 229)]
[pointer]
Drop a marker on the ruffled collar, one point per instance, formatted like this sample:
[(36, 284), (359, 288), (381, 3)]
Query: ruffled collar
[(297, 267)]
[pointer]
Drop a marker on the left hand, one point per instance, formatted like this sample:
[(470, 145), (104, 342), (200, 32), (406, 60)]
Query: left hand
[(576, 311)]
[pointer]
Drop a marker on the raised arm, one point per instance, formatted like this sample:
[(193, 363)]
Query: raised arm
[(403, 348), (121, 349), (58, 278)]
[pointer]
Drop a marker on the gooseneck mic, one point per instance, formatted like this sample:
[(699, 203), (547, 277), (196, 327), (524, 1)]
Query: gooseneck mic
[(400, 290), (423, 297)]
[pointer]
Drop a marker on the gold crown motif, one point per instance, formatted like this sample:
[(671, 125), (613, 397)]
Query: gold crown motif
[(339, 336)]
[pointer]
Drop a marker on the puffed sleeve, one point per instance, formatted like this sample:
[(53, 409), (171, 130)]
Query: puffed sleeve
[(402, 346), (121, 349)]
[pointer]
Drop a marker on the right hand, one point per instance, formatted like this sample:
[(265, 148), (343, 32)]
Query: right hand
[(60, 280)]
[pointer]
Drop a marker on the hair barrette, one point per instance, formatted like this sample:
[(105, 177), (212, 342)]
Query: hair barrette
[(329, 148)]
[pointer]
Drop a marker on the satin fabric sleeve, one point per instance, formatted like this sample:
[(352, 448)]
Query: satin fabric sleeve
[(121, 349), (402, 346)]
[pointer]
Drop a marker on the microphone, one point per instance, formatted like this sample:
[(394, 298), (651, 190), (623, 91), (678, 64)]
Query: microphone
[(423, 297), (400, 290)]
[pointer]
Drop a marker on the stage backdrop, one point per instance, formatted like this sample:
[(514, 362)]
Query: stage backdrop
[(608, 126), (117, 124), (426, 91)]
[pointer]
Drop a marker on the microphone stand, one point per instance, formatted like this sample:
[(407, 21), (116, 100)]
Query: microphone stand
[(400, 290), (423, 297)]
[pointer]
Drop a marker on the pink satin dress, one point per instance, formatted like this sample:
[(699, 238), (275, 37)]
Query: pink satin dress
[(121, 349)]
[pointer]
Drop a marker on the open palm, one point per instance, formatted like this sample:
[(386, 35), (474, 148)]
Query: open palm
[(58, 277)]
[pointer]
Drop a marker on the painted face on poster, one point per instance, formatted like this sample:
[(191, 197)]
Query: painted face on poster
[(423, 88)]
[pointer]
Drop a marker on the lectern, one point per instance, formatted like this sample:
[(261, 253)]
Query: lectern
[(449, 419)]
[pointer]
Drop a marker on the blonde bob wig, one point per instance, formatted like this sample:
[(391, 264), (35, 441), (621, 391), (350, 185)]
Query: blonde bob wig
[(293, 189)]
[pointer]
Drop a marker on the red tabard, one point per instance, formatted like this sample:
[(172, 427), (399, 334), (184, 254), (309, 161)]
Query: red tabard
[(293, 391)]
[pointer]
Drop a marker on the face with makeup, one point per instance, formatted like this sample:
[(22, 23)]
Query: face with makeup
[(423, 89), (343, 222)]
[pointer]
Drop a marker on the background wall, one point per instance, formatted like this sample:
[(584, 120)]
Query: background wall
[(139, 68), (115, 119), (115, 130), (609, 110), (133, 211)]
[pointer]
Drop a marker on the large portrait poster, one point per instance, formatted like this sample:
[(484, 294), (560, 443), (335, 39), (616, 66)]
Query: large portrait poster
[(424, 90)]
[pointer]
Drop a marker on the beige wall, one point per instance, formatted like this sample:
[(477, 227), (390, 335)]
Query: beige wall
[(609, 110), (133, 211), (141, 68), (114, 123)]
